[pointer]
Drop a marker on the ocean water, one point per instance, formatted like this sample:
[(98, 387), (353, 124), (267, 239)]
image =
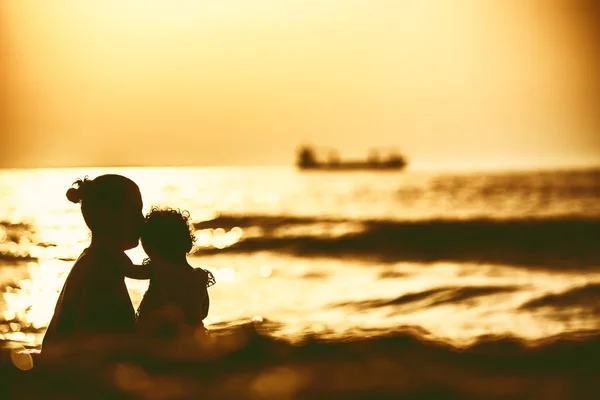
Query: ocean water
[(337, 255)]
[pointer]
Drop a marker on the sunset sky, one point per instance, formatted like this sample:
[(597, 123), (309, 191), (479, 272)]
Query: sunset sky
[(451, 83)]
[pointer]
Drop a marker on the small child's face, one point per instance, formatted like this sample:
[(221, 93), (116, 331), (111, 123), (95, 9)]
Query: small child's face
[(151, 249), (147, 250)]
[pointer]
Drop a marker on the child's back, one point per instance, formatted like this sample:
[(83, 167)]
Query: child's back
[(177, 293)]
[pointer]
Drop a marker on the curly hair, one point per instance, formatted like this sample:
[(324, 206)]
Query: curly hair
[(168, 232)]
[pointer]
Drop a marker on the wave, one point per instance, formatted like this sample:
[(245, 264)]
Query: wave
[(15, 225), (581, 302), (11, 258), (432, 297), (583, 299), (11, 232), (563, 242), (247, 363)]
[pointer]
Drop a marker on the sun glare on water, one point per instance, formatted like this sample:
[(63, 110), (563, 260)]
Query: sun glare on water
[(42, 234)]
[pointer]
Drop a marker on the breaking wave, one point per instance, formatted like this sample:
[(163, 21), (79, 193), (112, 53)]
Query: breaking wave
[(541, 242)]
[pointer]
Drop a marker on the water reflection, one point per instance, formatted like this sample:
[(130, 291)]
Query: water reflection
[(264, 285), (282, 280)]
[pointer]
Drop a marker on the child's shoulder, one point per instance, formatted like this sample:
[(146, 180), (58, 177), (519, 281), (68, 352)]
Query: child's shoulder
[(205, 275)]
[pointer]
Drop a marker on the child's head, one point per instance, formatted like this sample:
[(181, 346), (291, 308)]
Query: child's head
[(112, 208), (168, 233)]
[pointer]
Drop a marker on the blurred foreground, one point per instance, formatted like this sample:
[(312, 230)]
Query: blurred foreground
[(246, 363)]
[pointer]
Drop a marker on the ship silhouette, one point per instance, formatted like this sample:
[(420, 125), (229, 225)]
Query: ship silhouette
[(308, 160)]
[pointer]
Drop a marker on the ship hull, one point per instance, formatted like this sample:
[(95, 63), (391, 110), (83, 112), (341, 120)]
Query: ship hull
[(352, 167)]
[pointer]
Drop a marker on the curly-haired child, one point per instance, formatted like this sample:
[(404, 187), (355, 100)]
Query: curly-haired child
[(177, 295)]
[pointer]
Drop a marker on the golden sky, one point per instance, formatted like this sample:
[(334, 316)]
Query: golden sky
[(475, 83)]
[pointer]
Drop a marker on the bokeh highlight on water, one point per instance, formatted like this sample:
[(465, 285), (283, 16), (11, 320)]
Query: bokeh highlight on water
[(337, 254)]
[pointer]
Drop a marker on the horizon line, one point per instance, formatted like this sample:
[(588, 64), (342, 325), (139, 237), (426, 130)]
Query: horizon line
[(424, 168)]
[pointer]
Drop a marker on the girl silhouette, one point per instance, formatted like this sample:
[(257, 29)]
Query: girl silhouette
[(94, 298)]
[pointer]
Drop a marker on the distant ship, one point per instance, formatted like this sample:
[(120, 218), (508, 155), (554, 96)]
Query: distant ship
[(307, 160)]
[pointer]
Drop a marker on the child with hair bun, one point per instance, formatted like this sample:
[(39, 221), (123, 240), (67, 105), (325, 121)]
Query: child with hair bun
[(94, 299)]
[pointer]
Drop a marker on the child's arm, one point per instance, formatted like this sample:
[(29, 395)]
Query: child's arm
[(138, 271)]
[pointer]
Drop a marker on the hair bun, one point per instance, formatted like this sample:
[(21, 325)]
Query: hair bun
[(73, 195)]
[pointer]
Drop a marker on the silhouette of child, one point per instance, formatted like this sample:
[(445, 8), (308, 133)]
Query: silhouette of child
[(94, 299), (177, 295)]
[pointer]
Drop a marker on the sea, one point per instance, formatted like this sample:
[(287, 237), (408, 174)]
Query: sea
[(454, 257)]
